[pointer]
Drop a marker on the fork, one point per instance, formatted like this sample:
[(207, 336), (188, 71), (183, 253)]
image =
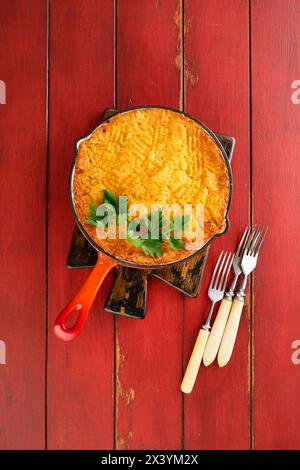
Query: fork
[(214, 340), (215, 293), (248, 264)]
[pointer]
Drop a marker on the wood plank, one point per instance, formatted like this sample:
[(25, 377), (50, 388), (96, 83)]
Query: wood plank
[(276, 140), (23, 45), (216, 414), (80, 374), (149, 352)]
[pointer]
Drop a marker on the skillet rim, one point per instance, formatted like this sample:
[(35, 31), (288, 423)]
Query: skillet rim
[(131, 264)]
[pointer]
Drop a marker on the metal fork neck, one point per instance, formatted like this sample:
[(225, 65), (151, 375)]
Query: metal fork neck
[(206, 325), (240, 295), (230, 293)]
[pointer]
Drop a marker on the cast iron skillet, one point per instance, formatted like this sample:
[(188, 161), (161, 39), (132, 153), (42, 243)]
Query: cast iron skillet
[(84, 298)]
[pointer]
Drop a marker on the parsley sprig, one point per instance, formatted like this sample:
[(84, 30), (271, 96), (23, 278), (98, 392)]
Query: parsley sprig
[(112, 207), (153, 223)]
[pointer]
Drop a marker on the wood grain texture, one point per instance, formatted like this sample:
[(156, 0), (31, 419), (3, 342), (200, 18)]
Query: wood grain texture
[(149, 409), (216, 414), (23, 201), (80, 374), (149, 53), (276, 169), (149, 352), (128, 295)]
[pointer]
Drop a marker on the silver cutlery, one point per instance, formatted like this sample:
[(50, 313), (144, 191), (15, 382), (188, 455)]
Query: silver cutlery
[(214, 340), (248, 263), (216, 293)]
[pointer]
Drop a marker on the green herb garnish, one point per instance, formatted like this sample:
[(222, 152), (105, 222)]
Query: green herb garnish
[(152, 248), (110, 198), (93, 218), (153, 223), (175, 243)]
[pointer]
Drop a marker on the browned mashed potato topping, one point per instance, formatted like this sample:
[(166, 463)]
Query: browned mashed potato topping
[(153, 156)]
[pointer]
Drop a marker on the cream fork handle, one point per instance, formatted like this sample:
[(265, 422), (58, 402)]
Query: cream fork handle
[(194, 362), (231, 329), (214, 340)]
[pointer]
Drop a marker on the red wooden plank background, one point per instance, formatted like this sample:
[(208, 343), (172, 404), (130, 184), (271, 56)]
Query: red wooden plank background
[(149, 404), (80, 374), (22, 196), (217, 92), (231, 64), (275, 144)]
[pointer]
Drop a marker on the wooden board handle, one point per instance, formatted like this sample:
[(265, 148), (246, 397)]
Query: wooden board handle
[(194, 362), (231, 329), (214, 340)]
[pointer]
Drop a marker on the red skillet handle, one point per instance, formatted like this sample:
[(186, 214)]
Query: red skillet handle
[(83, 300)]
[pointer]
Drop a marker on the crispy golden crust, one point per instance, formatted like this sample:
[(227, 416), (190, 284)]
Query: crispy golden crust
[(154, 156)]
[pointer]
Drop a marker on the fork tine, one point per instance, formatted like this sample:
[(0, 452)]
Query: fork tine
[(252, 235), (246, 242), (258, 247), (226, 271), (216, 283), (254, 240), (239, 248), (257, 241), (248, 239), (215, 270)]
